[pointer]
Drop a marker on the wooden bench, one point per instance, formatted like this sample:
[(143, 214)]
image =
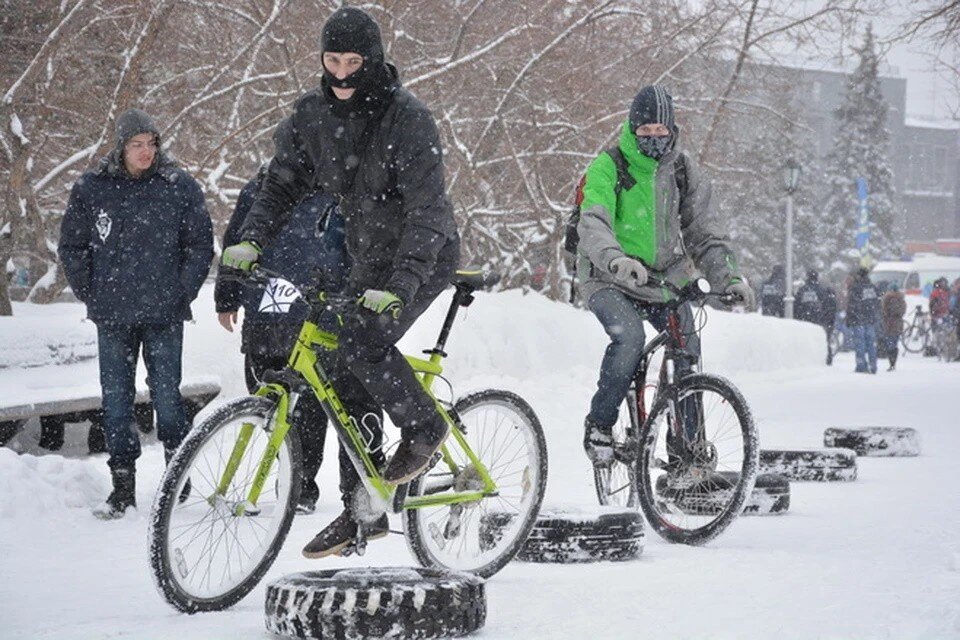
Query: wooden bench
[(54, 414)]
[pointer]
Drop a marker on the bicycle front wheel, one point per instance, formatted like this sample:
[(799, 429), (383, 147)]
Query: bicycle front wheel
[(482, 537), (690, 497), (209, 547)]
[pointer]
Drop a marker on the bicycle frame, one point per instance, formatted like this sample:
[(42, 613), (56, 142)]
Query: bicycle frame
[(311, 377)]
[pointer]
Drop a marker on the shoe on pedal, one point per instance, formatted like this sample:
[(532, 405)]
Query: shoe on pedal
[(598, 442), (414, 454), (341, 533)]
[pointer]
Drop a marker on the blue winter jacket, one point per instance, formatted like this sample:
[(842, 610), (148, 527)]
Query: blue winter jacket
[(300, 254), (136, 250)]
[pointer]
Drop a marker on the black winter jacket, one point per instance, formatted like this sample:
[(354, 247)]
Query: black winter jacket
[(863, 303), (400, 230), (136, 250)]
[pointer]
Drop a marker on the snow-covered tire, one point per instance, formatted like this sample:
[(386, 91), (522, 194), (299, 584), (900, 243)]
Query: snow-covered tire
[(811, 465), (770, 496), (392, 602), (875, 441), (577, 535)]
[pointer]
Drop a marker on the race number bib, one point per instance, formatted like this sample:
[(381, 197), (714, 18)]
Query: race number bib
[(278, 296)]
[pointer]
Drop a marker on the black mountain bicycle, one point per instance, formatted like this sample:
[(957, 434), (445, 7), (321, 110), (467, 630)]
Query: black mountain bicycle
[(691, 461)]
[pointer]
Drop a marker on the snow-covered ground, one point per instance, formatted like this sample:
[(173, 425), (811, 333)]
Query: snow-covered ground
[(876, 558)]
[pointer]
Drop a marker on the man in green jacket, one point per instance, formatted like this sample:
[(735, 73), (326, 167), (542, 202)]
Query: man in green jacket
[(661, 225)]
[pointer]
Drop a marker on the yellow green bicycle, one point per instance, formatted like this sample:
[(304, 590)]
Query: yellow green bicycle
[(228, 497)]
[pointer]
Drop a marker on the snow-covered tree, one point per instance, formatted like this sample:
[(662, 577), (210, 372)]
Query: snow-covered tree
[(861, 149)]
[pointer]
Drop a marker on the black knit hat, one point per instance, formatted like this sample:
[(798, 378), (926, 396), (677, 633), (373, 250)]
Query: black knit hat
[(652, 105), (132, 123), (353, 30)]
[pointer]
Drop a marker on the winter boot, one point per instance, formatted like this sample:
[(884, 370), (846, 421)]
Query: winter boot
[(309, 494), (123, 496), (167, 456), (598, 442), (415, 452), (341, 533)]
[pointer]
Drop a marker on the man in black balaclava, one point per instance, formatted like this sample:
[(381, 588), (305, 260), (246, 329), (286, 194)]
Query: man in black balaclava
[(365, 140)]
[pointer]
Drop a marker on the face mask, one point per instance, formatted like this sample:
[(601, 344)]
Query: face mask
[(654, 146), (353, 81)]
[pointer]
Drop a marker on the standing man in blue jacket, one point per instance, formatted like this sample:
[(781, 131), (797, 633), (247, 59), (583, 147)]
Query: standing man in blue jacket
[(136, 244), (272, 318)]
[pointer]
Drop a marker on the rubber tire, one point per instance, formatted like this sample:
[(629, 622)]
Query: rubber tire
[(579, 535), (811, 465), (411, 522), (160, 515), (770, 495), (751, 439), (413, 603), (875, 441)]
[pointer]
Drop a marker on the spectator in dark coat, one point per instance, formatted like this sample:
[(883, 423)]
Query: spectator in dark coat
[(364, 139), (892, 306), (817, 304), (772, 292), (310, 245), (863, 315), (136, 244)]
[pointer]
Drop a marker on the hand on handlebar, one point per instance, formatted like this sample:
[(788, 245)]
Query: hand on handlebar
[(628, 271), (743, 291)]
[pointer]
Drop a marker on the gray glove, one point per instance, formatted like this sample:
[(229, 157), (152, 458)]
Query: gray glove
[(628, 272), (744, 291)]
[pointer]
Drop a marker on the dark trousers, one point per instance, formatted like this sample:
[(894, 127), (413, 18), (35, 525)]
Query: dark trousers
[(308, 420), (119, 347), (370, 373), (622, 318), (891, 348)]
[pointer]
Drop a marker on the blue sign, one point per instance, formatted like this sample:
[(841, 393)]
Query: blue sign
[(863, 219)]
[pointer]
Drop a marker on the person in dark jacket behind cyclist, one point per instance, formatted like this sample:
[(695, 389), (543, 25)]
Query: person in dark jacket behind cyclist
[(633, 239), (364, 139), (772, 291), (863, 315), (136, 243), (272, 318), (816, 304)]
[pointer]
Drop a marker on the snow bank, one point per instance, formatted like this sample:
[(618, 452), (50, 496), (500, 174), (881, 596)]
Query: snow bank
[(35, 341), (38, 486)]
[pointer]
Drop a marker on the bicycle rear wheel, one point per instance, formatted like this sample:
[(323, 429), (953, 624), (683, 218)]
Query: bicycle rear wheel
[(482, 537), (208, 551), (616, 483), (693, 500), (914, 337)]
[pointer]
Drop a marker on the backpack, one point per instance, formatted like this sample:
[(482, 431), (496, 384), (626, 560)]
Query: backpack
[(625, 182)]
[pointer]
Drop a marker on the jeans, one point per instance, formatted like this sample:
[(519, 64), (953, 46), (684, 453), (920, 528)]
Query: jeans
[(865, 345), (119, 347), (622, 318)]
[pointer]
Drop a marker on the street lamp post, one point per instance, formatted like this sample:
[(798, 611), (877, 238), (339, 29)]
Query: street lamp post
[(791, 179)]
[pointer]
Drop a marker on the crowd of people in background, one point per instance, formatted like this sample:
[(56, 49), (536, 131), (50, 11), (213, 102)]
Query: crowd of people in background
[(867, 316)]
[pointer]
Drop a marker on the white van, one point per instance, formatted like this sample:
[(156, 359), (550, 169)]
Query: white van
[(916, 276)]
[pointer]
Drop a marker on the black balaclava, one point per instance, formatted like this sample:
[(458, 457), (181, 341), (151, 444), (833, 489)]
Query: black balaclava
[(813, 276), (351, 30), (653, 105)]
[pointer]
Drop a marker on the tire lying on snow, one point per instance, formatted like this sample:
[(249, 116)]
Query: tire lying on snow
[(875, 441), (770, 496), (817, 465), (575, 534), (397, 602)]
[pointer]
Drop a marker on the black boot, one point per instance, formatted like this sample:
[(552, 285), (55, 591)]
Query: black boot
[(342, 532), (123, 496), (415, 452), (598, 442), (167, 456)]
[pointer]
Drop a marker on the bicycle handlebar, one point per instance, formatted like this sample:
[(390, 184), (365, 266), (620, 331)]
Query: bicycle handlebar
[(694, 292)]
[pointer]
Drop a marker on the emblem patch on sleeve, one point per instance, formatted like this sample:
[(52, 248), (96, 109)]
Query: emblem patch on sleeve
[(104, 224)]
